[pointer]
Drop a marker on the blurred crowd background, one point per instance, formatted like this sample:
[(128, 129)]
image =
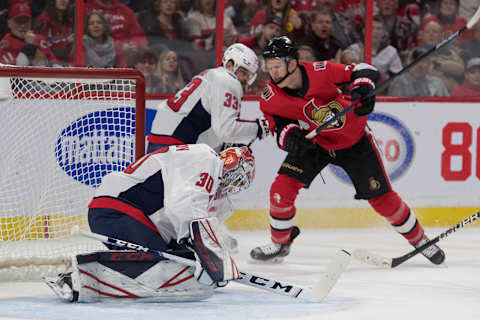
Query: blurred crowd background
[(170, 41)]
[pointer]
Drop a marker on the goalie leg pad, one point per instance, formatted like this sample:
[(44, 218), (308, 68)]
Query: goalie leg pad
[(113, 275)]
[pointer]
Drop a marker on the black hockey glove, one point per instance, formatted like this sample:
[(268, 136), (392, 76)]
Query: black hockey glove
[(364, 78), (292, 139)]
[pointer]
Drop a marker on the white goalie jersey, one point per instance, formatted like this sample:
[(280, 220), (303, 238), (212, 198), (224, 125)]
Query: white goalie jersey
[(178, 185), (206, 110)]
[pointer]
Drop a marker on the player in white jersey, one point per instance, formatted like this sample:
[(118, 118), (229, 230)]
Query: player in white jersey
[(162, 201), (207, 109)]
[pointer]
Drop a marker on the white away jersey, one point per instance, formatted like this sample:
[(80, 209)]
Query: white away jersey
[(172, 186), (206, 110)]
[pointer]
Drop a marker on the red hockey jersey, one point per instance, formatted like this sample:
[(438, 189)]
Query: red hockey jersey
[(321, 102), (57, 36), (10, 48)]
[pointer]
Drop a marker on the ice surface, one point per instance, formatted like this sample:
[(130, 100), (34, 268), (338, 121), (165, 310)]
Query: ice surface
[(415, 290)]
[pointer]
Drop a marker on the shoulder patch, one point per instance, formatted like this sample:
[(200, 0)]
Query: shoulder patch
[(319, 65), (267, 93)]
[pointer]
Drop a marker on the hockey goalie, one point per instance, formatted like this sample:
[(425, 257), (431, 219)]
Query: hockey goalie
[(171, 200)]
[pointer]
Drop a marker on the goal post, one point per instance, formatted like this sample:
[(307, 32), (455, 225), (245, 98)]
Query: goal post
[(62, 130)]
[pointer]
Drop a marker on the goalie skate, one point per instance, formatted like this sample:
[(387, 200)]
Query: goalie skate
[(62, 286), (432, 253), (273, 252)]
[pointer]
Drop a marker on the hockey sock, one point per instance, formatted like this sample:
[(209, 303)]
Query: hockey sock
[(397, 212), (283, 193)]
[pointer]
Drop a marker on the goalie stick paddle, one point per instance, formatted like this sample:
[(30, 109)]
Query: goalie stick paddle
[(388, 263), (473, 20), (315, 294)]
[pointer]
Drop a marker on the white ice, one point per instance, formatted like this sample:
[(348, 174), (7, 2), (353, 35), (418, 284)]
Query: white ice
[(414, 290)]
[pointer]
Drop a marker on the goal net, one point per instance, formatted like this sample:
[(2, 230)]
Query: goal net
[(62, 130)]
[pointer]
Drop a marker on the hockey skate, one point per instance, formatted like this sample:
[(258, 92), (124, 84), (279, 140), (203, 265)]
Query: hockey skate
[(432, 253), (62, 286), (273, 252)]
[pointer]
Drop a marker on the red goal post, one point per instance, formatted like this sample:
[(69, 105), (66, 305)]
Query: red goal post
[(62, 130)]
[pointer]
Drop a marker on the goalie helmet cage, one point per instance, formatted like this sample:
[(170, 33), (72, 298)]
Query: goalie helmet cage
[(62, 130)]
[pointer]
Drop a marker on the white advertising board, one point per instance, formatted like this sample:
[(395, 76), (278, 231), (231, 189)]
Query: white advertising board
[(431, 152)]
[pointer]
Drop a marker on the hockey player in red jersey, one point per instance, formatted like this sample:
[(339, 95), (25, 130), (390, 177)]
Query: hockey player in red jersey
[(301, 97)]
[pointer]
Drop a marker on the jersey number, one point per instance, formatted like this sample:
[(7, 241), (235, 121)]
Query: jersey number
[(176, 102), (205, 181), (228, 101)]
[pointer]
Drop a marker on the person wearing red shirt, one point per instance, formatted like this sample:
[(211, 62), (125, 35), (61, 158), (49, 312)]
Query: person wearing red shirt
[(21, 46), (449, 19), (56, 25), (126, 31), (471, 85), (300, 97)]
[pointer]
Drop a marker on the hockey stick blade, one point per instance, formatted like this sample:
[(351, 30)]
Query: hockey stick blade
[(246, 278), (368, 257), (319, 291), (335, 269), (473, 20)]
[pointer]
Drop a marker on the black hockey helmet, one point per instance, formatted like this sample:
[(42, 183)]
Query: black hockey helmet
[(280, 47)]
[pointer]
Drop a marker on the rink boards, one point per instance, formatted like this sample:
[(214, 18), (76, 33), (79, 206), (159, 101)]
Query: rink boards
[(431, 152)]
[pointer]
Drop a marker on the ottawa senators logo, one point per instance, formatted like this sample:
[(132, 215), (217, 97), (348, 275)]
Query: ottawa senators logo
[(320, 115)]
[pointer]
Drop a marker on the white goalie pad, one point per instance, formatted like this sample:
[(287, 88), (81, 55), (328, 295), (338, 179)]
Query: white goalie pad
[(113, 275)]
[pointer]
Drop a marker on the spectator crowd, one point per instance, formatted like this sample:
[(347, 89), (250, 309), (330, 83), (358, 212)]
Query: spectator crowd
[(170, 41)]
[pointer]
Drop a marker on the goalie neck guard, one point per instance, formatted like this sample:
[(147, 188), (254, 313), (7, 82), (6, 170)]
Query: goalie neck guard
[(238, 169)]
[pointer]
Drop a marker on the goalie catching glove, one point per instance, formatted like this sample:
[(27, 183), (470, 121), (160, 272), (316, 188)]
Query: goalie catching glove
[(364, 77), (214, 264)]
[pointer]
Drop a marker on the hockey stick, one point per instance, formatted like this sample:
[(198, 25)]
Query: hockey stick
[(388, 263), (315, 294), (473, 20)]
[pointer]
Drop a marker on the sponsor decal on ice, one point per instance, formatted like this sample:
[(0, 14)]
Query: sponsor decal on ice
[(96, 144), (395, 142)]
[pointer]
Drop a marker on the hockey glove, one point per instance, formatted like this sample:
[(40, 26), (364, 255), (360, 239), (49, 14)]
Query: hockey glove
[(263, 128), (214, 261), (363, 78), (292, 139)]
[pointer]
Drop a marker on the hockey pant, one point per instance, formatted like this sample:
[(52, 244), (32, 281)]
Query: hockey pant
[(120, 275)]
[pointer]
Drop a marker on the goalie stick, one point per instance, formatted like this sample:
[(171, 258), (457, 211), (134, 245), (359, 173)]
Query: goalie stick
[(315, 294), (388, 263), (473, 20)]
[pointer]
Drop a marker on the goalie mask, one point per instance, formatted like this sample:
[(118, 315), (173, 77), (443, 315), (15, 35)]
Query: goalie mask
[(238, 169), (242, 56)]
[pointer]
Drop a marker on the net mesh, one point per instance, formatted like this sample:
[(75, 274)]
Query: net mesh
[(58, 138)]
